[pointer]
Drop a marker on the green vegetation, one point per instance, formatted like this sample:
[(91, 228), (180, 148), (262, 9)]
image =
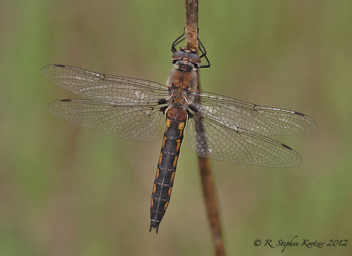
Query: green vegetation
[(67, 190)]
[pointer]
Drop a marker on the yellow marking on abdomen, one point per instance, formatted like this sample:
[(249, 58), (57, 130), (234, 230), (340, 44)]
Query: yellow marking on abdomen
[(175, 162), (172, 177), (154, 188), (169, 192), (161, 158), (178, 145), (157, 174), (181, 125), (165, 206), (164, 142), (151, 203)]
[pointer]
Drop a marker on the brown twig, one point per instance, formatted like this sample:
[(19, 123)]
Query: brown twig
[(204, 163)]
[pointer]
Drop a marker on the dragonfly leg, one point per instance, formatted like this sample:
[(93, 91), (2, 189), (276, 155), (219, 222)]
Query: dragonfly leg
[(201, 48)]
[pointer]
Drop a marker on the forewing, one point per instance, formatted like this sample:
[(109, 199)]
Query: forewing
[(138, 122), (104, 87), (217, 141), (237, 114)]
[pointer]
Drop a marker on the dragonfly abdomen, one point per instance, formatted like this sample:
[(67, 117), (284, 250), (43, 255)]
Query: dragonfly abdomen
[(165, 173)]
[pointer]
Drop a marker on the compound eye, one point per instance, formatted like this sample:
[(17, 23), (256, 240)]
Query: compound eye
[(178, 56), (194, 58)]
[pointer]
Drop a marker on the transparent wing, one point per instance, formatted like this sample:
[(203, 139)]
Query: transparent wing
[(218, 141), (139, 122), (235, 114), (104, 87)]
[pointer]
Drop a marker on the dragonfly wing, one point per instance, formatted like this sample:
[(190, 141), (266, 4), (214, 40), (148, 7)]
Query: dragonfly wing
[(139, 122), (236, 145), (99, 86), (258, 119)]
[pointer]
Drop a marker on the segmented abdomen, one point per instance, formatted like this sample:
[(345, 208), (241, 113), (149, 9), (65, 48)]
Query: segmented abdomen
[(165, 173)]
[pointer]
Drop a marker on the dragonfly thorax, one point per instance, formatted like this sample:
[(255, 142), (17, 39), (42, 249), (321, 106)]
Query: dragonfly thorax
[(180, 84), (178, 97)]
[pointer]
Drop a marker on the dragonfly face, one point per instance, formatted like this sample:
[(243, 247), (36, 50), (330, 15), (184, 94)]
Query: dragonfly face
[(186, 60), (218, 127)]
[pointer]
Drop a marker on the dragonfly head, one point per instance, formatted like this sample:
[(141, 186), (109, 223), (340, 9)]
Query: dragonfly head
[(186, 60)]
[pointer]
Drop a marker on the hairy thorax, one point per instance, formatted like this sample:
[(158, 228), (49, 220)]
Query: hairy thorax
[(181, 83)]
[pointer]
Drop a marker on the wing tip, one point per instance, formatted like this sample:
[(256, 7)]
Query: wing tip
[(312, 125), (44, 70), (55, 104)]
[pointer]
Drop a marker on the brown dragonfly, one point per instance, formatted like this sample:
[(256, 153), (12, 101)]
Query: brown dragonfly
[(218, 127)]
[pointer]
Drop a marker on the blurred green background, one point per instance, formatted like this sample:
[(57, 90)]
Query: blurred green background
[(67, 190)]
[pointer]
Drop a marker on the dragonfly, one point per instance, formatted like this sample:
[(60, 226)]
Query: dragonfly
[(218, 127)]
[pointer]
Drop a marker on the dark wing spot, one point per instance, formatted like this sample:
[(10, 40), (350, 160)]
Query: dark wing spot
[(163, 109), (64, 100), (59, 65), (285, 146), (162, 101), (190, 115), (192, 107), (299, 114)]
